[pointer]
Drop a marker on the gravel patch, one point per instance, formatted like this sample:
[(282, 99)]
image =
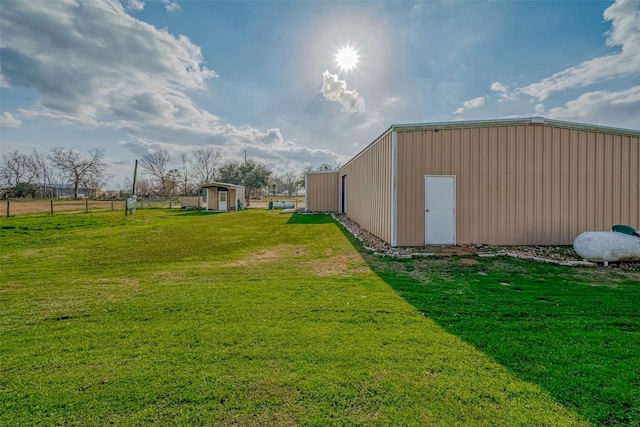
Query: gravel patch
[(556, 255)]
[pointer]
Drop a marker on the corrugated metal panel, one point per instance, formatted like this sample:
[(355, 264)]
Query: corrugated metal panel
[(322, 192), (521, 183), (369, 194)]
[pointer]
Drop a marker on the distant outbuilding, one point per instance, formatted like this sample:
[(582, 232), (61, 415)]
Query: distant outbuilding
[(530, 181), (224, 197)]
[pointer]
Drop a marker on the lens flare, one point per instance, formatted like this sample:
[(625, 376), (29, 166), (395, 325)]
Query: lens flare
[(347, 58)]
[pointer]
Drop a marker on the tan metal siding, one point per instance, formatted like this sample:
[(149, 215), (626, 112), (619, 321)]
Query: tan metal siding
[(521, 184), (369, 188), (232, 203), (234, 194), (212, 198), (322, 192), (240, 195)]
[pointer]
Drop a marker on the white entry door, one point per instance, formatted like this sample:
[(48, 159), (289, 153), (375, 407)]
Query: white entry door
[(222, 200), (440, 210)]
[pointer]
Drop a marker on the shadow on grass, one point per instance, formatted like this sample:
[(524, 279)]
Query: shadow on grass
[(573, 331), (297, 218)]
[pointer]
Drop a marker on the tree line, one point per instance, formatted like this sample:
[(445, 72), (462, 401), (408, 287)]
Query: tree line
[(38, 174)]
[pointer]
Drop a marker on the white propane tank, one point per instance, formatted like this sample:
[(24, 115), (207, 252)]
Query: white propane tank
[(605, 246), (282, 205)]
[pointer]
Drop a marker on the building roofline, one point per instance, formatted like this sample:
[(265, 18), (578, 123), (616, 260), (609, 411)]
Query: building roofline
[(371, 144), (512, 121), (314, 172), (494, 122), (220, 184)]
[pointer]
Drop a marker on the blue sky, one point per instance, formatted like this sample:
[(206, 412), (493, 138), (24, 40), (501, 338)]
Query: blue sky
[(132, 76)]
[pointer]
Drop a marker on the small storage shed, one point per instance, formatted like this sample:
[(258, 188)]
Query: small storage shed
[(224, 197), (530, 181)]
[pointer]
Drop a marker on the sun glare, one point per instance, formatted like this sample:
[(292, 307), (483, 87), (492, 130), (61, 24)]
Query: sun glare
[(347, 58)]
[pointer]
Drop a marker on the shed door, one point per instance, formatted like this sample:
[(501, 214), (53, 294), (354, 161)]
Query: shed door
[(440, 210), (222, 200)]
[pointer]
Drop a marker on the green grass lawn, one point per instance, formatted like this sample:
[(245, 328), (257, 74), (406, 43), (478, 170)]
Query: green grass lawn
[(257, 318), (573, 331)]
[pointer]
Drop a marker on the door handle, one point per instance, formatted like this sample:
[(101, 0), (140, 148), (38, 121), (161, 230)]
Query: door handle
[(427, 210)]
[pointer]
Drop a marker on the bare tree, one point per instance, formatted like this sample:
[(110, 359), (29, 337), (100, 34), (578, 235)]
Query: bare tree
[(42, 172), (156, 164), (275, 184), (78, 169), (173, 182), (290, 183), (15, 168), (204, 163), (143, 187), (126, 187), (186, 182), (95, 181)]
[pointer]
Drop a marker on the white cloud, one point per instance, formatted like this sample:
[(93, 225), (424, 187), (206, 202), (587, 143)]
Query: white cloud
[(474, 103), (334, 89), (469, 104), (268, 147), (133, 4), (625, 32), (625, 17), (391, 101), (8, 120), (613, 108), (93, 64), (498, 87), (503, 90), (171, 6)]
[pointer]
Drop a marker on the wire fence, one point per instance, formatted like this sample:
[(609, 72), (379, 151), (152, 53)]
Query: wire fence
[(13, 207)]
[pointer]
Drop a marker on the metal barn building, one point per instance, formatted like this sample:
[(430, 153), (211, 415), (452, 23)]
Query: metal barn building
[(529, 181)]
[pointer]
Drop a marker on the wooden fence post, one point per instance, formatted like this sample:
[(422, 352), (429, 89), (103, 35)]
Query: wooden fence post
[(8, 207), (112, 205), (86, 205), (51, 206)]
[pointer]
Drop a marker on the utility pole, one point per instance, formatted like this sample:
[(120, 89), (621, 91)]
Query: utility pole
[(135, 173), (128, 209)]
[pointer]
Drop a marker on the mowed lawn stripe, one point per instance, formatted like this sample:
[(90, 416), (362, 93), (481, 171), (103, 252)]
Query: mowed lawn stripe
[(246, 318)]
